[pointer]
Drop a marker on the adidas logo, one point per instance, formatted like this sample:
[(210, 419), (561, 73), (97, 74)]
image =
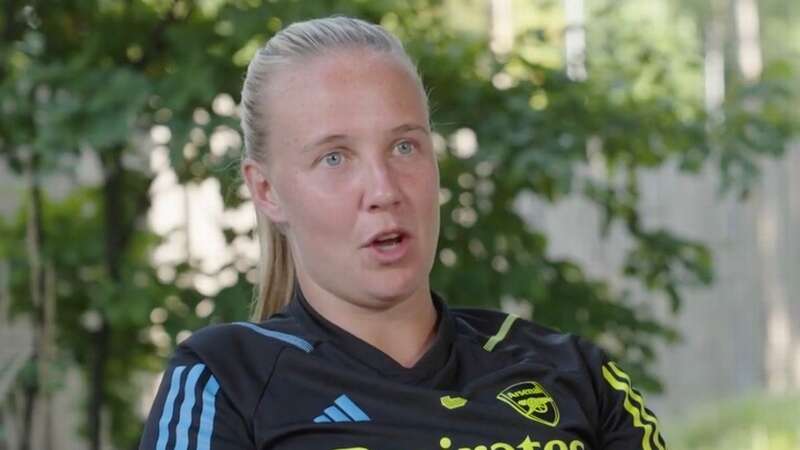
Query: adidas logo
[(342, 410)]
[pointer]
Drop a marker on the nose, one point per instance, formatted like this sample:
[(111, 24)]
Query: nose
[(381, 191)]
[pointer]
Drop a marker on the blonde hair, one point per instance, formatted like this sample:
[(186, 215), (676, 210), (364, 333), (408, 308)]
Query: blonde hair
[(276, 273)]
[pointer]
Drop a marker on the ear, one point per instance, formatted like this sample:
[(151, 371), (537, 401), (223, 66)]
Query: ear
[(262, 191)]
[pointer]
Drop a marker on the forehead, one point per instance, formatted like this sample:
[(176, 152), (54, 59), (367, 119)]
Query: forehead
[(347, 91), (341, 66)]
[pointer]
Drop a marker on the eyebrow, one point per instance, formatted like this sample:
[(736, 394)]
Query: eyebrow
[(410, 127), (336, 137)]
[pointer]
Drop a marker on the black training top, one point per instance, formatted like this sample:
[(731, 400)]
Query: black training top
[(489, 381)]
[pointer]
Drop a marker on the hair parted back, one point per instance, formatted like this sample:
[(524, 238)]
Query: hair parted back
[(276, 277)]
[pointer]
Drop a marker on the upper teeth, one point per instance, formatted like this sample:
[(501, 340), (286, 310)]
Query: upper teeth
[(389, 236)]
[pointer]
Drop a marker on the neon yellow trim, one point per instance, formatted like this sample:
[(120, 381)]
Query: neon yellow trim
[(452, 402), (501, 334), (639, 399), (632, 410)]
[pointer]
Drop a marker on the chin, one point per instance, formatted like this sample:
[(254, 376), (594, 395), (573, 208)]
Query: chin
[(393, 289)]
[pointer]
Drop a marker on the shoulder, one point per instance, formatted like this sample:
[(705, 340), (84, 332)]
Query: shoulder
[(241, 356), (247, 345), (273, 334), (225, 368), (501, 332)]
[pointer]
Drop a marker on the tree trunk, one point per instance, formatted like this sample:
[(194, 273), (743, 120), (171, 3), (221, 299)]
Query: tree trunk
[(575, 40), (501, 28), (34, 242), (748, 39), (714, 71), (114, 232), (97, 399), (776, 292), (48, 351)]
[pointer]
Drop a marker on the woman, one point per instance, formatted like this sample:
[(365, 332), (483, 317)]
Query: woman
[(353, 349)]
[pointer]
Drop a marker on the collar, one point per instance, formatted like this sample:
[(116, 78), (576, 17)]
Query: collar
[(322, 330)]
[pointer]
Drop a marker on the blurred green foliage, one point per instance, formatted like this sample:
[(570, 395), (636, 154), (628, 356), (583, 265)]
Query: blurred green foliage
[(99, 74), (757, 421)]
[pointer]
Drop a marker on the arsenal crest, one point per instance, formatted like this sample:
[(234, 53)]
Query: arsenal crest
[(531, 400)]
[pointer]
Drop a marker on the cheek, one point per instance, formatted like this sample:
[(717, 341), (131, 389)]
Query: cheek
[(429, 185), (320, 212), (424, 183), (322, 232)]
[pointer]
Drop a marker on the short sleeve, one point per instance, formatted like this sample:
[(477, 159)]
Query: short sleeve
[(191, 411), (625, 423)]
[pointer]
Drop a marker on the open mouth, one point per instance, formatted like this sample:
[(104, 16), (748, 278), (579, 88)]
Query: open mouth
[(389, 242)]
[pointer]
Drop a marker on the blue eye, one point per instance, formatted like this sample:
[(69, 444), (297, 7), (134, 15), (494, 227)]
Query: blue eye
[(405, 147), (333, 159)]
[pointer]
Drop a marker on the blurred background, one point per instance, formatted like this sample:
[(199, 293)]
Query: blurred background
[(625, 170)]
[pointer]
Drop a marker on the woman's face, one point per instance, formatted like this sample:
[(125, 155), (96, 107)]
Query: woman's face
[(351, 157)]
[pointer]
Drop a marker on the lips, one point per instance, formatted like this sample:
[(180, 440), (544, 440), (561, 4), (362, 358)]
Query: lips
[(388, 247), (387, 237)]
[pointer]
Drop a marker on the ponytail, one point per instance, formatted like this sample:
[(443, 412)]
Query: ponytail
[(275, 271)]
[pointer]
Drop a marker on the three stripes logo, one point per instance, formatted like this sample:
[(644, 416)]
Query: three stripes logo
[(342, 410), (634, 405), (187, 420)]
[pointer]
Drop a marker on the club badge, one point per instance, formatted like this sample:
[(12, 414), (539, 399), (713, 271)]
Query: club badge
[(531, 400)]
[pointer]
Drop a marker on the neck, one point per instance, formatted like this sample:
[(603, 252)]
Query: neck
[(412, 320)]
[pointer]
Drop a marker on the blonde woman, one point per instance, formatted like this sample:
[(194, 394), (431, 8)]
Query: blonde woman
[(350, 348)]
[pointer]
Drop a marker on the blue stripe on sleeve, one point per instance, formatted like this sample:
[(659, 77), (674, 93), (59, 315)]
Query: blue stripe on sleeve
[(300, 343), (182, 431), (351, 408), (207, 416), (169, 403)]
